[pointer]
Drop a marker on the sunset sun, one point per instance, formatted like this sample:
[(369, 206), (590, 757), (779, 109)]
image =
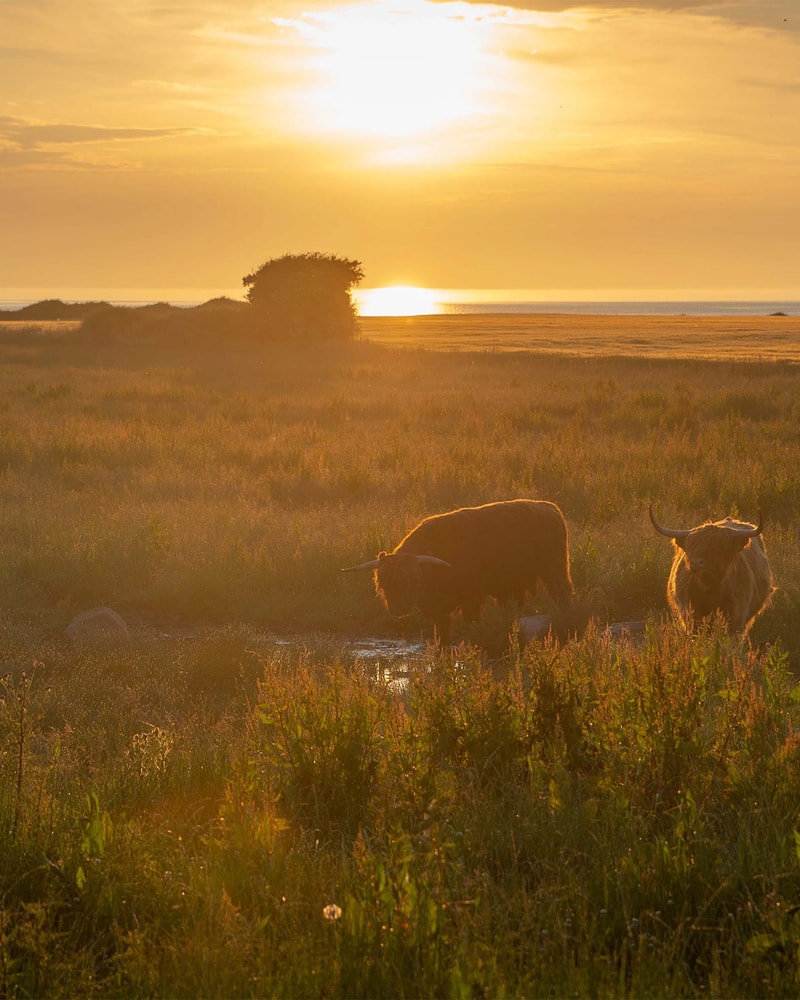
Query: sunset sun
[(394, 72)]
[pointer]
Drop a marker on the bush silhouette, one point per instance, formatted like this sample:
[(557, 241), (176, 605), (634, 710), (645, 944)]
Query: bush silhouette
[(305, 296), (221, 320)]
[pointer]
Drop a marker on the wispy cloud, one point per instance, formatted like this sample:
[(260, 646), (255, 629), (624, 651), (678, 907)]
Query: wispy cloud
[(58, 145), (24, 134), (551, 6), (778, 15)]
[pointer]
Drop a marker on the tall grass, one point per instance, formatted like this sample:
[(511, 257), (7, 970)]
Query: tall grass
[(235, 486), (229, 814)]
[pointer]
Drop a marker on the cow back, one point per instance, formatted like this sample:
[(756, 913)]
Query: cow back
[(500, 548)]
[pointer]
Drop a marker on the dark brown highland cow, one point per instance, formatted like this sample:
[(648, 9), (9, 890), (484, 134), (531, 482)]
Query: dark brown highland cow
[(456, 560), (719, 567)]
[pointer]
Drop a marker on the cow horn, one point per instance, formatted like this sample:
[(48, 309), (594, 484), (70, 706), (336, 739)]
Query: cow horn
[(372, 564), (433, 561), (668, 532), (751, 532)]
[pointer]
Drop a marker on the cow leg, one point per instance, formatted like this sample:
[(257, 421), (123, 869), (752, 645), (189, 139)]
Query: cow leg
[(470, 610), (559, 588)]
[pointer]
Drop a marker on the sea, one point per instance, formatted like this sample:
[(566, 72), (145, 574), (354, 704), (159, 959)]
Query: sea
[(448, 302), (626, 308)]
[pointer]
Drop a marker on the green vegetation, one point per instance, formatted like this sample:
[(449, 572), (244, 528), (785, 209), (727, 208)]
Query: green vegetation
[(208, 809)]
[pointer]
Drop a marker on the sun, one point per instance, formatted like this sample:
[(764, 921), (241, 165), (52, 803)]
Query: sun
[(395, 70), (397, 300)]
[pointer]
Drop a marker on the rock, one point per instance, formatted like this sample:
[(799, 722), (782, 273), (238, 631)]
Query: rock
[(626, 630), (98, 623), (533, 627)]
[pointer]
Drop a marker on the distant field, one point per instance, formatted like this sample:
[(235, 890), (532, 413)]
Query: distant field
[(724, 338), (746, 338), (39, 325)]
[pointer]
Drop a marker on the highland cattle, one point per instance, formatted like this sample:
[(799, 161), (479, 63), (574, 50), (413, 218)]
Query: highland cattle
[(456, 560), (719, 567)]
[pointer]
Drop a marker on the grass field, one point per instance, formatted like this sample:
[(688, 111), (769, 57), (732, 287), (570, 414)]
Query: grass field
[(203, 810), (709, 338)]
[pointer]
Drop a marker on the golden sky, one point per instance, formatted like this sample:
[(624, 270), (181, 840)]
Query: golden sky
[(652, 146)]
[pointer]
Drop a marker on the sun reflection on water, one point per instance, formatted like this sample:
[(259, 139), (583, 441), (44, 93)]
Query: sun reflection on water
[(397, 300)]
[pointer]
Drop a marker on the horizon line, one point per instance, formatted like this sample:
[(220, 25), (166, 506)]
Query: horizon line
[(443, 296)]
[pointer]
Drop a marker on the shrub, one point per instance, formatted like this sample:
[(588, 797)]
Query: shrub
[(220, 320), (305, 296)]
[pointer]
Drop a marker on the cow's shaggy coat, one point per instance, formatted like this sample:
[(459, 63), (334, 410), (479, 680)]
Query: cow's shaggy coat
[(719, 567)]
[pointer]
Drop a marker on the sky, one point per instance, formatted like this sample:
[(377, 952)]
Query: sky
[(648, 148)]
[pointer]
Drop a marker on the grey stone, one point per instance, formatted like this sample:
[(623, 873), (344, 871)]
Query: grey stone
[(626, 630), (97, 623), (533, 627)]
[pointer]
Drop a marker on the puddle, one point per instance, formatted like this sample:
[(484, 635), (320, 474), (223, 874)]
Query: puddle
[(377, 649), (388, 660)]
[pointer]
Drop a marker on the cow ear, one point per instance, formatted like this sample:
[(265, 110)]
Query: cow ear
[(678, 543), (736, 545)]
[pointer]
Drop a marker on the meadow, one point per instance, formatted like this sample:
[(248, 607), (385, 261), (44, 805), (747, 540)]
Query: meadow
[(227, 803)]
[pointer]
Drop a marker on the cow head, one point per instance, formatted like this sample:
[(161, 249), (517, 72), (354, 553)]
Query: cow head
[(710, 549), (399, 578)]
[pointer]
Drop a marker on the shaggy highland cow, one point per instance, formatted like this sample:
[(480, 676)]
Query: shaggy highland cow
[(719, 567), (456, 560)]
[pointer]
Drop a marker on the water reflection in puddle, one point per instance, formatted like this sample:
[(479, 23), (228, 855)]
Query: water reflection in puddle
[(377, 649), (388, 660)]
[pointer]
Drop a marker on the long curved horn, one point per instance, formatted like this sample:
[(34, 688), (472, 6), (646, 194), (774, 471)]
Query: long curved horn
[(433, 561), (372, 564), (751, 532), (667, 532)]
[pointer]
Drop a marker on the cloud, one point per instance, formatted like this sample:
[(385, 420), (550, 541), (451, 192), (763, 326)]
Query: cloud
[(778, 15), (22, 134), (25, 144), (554, 6)]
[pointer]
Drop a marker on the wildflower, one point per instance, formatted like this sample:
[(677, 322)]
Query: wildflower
[(332, 911)]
